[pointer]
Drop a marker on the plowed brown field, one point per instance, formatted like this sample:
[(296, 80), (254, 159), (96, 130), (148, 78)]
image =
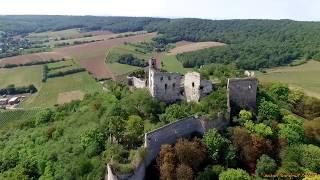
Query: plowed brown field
[(44, 56)]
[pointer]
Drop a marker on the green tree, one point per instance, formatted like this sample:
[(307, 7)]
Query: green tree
[(311, 158), (91, 136), (265, 165), (175, 112), (260, 129), (244, 116), (134, 128), (292, 129), (268, 112), (280, 91), (44, 116), (215, 143), (114, 127), (234, 174)]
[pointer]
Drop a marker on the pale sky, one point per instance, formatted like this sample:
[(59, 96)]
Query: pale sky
[(210, 9)]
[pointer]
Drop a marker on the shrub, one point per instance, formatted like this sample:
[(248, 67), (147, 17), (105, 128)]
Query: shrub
[(234, 174), (265, 165)]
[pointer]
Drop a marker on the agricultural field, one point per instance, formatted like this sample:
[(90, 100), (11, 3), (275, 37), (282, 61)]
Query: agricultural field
[(118, 69), (35, 57), (305, 76), (92, 55), (171, 64), (21, 76), (193, 46), (62, 66), (95, 36), (64, 86), (57, 36)]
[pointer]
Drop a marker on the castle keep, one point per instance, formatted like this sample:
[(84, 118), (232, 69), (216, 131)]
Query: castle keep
[(242, 94), (171, 87)]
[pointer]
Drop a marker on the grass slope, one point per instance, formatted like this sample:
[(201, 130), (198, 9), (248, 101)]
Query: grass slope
[(171, 64), (305, 76)]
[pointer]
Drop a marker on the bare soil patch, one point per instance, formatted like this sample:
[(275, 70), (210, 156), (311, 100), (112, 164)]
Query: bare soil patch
[(36, 57), (186, 46), (67, 97)]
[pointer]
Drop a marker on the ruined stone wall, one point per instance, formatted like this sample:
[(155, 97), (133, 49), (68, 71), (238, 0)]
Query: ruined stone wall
[(242, 94), (165, 86), (192, 83), (206, 88), (169, 134), (137, 82)]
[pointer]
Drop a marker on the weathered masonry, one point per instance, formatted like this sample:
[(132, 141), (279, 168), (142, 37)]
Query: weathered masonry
[(242, 94), (171, 87), (168, 134)]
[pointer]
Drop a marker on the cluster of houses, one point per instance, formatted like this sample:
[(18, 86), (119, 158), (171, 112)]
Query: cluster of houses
[(10, 102)]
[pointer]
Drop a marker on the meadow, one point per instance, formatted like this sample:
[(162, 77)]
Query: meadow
[(50, 91), (171, 64), (305, 76), (21, 76)]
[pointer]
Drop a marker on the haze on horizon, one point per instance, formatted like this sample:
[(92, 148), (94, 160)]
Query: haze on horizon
[(303, 10)]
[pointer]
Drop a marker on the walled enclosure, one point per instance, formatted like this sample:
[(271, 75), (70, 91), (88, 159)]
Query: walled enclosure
[(242, 94), (168, 135)]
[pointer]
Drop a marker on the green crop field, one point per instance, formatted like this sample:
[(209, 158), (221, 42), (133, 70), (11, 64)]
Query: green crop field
[(53, 34), (305, 76), (62, 66), (49, 92), (171, 64), (120, 69), (21, 76), (114, 53)]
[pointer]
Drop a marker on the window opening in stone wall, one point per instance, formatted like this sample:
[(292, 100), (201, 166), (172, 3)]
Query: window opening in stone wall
[(165, 86), (192, 84)]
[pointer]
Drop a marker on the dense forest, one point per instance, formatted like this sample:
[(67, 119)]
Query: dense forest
[(12, 24), (252, 44)]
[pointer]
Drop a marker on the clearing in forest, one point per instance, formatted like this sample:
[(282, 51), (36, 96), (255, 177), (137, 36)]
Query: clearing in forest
[(184, 46)]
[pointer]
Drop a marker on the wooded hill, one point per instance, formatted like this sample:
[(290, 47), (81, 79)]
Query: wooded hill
[(252, 44)]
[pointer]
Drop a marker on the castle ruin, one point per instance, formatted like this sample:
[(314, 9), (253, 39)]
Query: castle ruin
[(242, 94), (171, 87)]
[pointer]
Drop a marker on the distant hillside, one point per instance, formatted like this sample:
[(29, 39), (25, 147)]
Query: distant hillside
[(253, 44), (38, 23)]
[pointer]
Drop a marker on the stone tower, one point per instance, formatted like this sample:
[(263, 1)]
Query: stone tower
[(192, 83), (242, 94), (163, 85)]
